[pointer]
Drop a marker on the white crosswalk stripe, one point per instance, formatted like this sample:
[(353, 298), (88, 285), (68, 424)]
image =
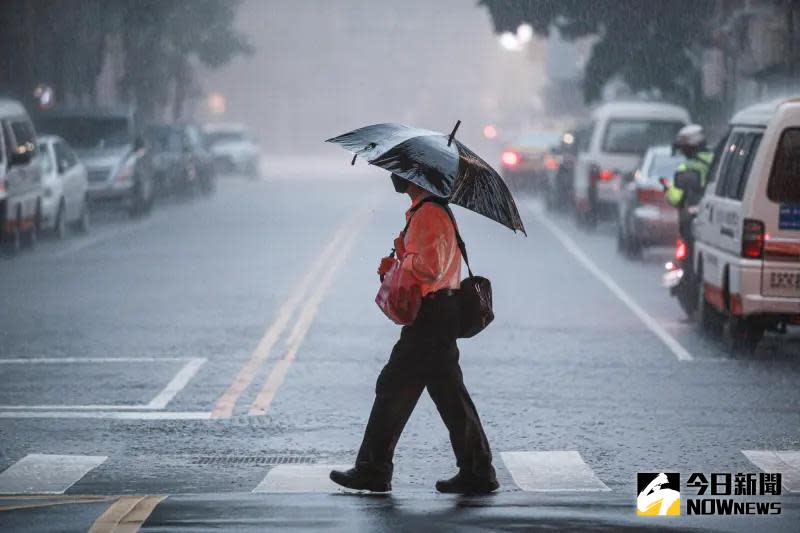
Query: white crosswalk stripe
[(552, 471), (299, 478), (46, 474), (786, 462)]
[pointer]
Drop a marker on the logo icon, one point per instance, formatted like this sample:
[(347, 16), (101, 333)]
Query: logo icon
[(659, 494)]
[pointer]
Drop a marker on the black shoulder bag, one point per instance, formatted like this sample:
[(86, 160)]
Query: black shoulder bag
[(475, 293)]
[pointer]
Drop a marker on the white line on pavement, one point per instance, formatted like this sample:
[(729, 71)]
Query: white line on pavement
[(116, 415), (552, 471), (299, 478), (46, 474), (278, 373), (786, 462), (652, 324), (177, 383)]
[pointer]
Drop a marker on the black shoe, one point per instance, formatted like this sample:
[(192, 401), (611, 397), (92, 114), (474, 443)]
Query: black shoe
[(358, 480), (463, 483)]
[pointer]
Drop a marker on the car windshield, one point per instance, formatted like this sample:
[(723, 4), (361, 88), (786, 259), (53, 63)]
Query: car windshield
[(164, 139), (541, 139), (89, 132), (663, 166), (635, 136), (217, 137)]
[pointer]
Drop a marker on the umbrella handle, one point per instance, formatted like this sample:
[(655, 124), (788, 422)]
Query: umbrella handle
[(453, 133)]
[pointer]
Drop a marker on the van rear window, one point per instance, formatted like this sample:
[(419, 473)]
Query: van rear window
[(784, 180), (635, 136)]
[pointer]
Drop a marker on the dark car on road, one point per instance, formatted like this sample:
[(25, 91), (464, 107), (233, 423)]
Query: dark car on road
[(108, 143), (183, 163)]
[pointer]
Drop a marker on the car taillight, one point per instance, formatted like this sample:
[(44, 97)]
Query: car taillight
[(509, 158), (649, 196), (752, 238), (681, 250), (599, 174), (551, 163)]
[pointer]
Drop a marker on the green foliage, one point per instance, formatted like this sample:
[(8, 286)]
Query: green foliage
[(63, 43), (647, 43)]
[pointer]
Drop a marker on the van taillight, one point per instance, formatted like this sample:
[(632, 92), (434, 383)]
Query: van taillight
[(752, 238)]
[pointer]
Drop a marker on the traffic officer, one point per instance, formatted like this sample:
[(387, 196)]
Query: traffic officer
[(691, 142)]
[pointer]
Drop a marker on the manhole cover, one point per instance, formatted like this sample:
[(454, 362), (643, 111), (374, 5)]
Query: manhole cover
[(254, 460)]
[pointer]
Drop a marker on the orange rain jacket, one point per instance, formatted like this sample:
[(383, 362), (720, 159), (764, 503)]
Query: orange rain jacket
[(429, 250)]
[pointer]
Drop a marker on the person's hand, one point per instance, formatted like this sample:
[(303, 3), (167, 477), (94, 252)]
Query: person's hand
[(386, 264), (399, 247)]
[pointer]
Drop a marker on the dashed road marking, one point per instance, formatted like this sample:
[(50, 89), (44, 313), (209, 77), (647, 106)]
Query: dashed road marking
[(177, 384), (651, 323), (278, 373), (227, 402), (47, 474), (299, 478), (552, 471), (786, 462)]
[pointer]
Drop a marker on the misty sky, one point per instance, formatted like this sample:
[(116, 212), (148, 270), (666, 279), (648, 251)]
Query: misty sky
[(325, 67)]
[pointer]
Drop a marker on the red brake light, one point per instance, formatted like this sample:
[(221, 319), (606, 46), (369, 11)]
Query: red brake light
[(551, 163), (681, 251), (603, 174), (649, 196), (752, 238), (509, 158)]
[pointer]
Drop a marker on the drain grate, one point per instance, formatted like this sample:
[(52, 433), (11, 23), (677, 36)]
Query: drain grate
[(253, 460)]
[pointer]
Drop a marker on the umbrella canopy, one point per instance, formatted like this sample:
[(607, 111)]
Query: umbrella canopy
[(437, 163)]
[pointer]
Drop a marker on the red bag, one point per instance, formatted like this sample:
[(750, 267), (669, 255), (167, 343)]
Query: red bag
[(399, 296)]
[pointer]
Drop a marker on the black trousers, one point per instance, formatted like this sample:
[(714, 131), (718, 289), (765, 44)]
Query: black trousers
[(426, 356)]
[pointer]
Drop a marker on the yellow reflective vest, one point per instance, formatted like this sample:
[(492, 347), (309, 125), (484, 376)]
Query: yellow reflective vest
[(700, 163)]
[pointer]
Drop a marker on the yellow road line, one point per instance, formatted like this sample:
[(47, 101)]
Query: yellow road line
[(227, 402), (126, 515), (276, 377)]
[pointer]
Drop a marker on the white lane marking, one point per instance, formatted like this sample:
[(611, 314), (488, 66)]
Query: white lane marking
[(47, 474), (116, 415), (94, 239), (552, 471), (227, 402), (786, 462), (652, 324), (278, 373), (299, 478), (177, 383)]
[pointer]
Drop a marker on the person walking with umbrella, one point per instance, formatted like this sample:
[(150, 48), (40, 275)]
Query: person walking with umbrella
[(433, 171)]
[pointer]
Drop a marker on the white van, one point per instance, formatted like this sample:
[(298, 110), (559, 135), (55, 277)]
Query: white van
[(620, 134), (747, 229), (20, 177)]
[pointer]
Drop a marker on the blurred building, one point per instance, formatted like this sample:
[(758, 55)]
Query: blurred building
[(754, 54)]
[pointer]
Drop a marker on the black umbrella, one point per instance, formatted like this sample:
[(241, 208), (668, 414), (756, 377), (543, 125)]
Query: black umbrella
[(439, 164)]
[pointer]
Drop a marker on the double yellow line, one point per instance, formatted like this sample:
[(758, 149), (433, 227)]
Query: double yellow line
[(309, 293)]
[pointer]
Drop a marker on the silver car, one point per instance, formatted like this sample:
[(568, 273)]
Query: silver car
[(64, 202), (644, 218)]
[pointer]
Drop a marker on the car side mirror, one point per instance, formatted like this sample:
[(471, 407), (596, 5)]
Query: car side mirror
[(688, 180)]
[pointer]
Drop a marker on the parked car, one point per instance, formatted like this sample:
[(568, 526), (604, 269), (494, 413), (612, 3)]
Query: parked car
[(619, 135), (119, 165), (644, 218), (232, 148), (20, 178), (522, 161), (747, 230), (182, 161), (65, 182)]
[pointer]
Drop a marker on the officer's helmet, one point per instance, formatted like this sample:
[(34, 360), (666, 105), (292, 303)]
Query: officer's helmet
[(690, 138)]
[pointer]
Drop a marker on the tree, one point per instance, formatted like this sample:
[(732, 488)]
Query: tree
[(648, 44)]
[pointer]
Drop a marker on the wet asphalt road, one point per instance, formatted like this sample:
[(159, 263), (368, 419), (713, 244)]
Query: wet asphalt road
[(199, 347)]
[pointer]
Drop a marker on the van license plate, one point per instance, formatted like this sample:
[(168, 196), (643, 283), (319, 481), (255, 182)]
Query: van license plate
[(783, 283)]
